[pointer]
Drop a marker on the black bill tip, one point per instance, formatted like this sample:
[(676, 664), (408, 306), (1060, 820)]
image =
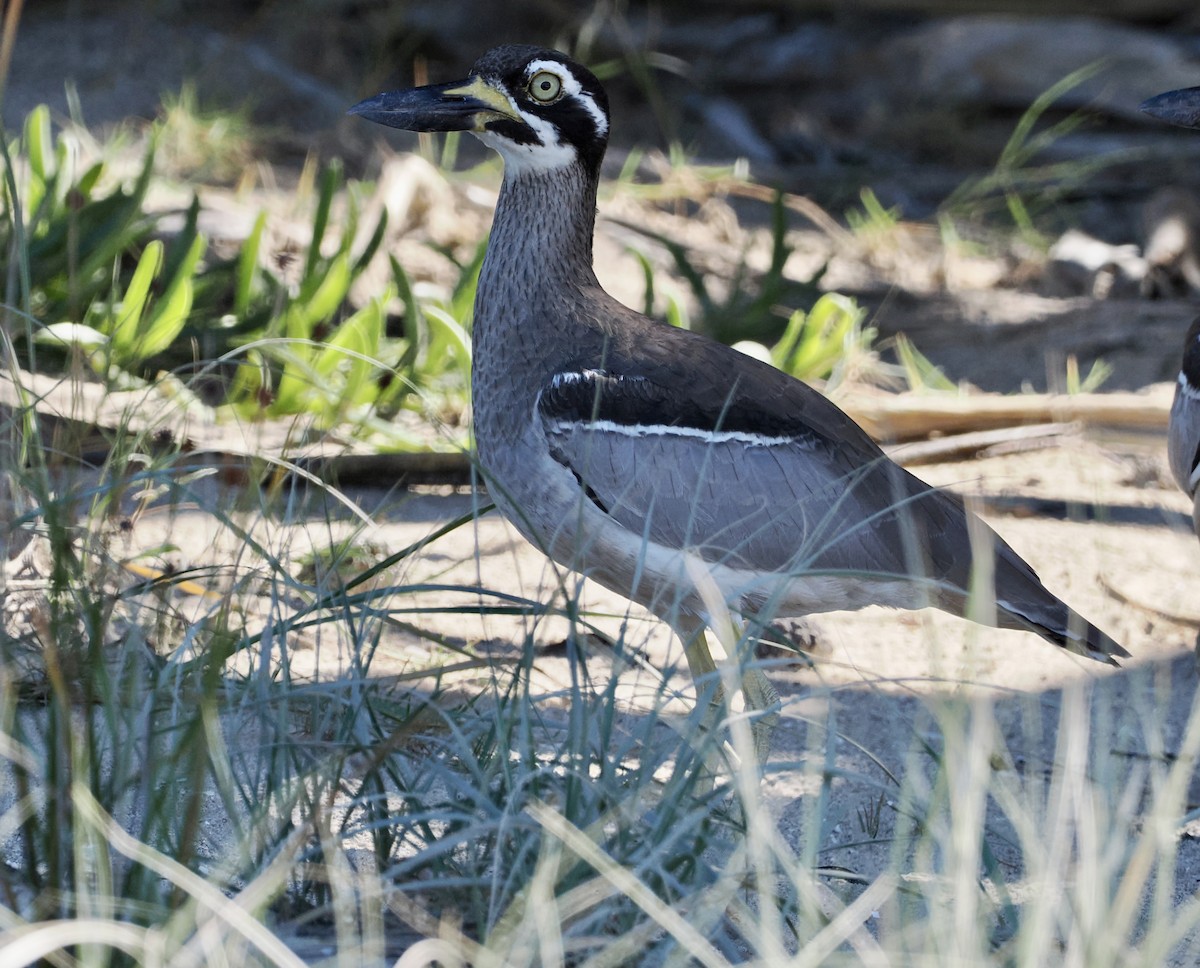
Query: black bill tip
[(430, 108), (1181, 107)]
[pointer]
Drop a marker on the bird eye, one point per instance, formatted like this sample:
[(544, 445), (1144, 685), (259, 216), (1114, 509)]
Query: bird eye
[(545, 86)]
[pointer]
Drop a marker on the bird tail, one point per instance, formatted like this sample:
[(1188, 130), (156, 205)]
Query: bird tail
[(1023, 602), (1076, 634)]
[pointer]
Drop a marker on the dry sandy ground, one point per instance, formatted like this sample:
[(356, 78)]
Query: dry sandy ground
[(873, 677), (868, 689), (1122, 553)]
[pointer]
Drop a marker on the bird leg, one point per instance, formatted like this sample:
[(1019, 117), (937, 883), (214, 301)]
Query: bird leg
[(761, 698), (757, 692)]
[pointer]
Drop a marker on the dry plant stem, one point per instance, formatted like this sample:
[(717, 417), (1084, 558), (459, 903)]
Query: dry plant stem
[(799, 204), (886, 416), (890, 417), (12, 16)]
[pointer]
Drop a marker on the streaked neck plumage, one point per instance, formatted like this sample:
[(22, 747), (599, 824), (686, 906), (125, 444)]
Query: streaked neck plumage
[(531, 295), (542, 230)]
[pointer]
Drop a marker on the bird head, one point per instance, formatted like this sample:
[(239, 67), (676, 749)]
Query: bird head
[(537, 107)]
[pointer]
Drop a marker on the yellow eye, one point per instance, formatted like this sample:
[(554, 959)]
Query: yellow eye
[(545, 87)]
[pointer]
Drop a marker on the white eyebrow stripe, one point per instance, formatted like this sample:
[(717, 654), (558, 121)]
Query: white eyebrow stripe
[(573, 88)]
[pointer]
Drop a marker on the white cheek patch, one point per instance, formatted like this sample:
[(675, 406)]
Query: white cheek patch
[(520, 159)]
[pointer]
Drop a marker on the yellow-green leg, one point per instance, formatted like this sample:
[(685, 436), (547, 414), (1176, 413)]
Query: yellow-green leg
[(758, 693)]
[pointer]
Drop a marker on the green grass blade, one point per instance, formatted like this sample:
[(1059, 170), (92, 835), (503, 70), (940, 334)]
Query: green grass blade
[(306, 313), (127, 326), (39, 143), (781, 352), (87, 182), (448, 339), (297, 379), (462, 302), (919, 370), (331, 180), (414, 320), (373, 244), (345, 366), (647, 280), (247, 267), (114, 224), (691, 275), (1013, 152)]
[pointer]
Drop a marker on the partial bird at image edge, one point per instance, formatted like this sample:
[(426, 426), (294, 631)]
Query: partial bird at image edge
[(1182, 107)]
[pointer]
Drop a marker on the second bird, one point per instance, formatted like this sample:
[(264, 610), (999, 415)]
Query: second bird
[(1182, 107)]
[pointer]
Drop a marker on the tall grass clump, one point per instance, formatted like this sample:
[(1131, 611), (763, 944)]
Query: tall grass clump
[(748, 305), (178, 791), (257, 335), (1023, 184)]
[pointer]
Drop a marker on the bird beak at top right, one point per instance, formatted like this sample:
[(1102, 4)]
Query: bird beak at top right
[(1180, 107)]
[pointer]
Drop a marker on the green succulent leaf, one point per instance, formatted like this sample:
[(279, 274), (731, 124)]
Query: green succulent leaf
[(172, 309), (127, 325), (247, 267)]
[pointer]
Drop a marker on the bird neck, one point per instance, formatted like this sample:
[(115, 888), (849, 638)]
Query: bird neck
[(542, 232), (532, 302)]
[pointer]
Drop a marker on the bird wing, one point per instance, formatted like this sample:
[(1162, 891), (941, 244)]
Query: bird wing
[(694, 445)]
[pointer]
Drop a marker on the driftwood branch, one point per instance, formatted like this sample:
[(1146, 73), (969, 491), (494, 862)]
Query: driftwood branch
[(86, 414), (973, 443), (167, 417), (894, 417)]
